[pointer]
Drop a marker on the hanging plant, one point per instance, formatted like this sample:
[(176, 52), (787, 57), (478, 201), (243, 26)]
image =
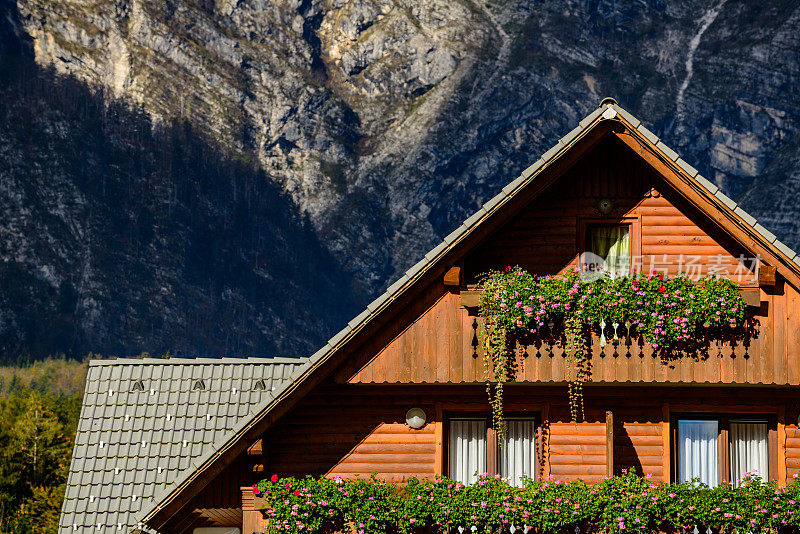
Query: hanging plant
[(669, 314)]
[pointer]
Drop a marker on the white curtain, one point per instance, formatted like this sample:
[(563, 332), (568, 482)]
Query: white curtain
[(610, 243), (698, 451), (749, 450), (517, 456), (467, 450)]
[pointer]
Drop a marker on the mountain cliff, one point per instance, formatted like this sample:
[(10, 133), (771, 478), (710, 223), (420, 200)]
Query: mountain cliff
[(386, 122)]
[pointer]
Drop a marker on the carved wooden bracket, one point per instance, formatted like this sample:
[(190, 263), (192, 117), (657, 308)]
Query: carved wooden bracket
[(453, 276), (751, 296)]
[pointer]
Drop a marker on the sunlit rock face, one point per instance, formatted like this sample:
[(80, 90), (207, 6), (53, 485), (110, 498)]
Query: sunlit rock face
[(387, 122)]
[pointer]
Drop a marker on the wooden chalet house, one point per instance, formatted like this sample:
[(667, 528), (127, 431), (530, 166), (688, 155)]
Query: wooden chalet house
[(174, 445)]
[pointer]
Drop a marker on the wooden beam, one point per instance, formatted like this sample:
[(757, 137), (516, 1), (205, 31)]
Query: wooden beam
[(544, 436), (782, 446), (453, 276), (471, 298), (252, 520), (438, 462), (610, 443), (766, 276), (491, 451), (751, 296), (666, 441)]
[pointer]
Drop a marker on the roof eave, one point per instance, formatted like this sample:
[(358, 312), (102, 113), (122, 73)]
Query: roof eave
[(783, 257)]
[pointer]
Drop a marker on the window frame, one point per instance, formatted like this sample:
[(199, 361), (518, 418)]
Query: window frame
[(723, 438), (492, 449), (634, 224)]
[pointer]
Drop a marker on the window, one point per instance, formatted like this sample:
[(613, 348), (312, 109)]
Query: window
[(698, 451), (472, 450), (749, 444), (467, 449), (517, 456), (610, 245), (714, 449)]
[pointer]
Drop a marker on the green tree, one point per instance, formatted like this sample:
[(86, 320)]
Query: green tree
[(36, 443)]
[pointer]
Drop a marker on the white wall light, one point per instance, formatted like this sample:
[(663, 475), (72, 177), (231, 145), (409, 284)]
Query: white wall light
[(415, 418)]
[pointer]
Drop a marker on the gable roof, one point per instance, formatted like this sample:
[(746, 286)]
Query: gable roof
[(143, 422), (608, 118)]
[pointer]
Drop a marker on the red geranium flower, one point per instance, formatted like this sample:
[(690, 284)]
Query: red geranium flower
[(255, 489), (274, 478)]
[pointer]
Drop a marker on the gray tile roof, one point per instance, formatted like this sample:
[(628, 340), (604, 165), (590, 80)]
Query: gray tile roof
[(131, 443), (608, 110)]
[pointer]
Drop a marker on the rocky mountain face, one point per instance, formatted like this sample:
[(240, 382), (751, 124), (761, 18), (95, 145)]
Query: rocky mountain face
[(119, 236), (386, 122)]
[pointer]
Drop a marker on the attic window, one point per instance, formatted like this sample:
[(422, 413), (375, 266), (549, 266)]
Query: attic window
[(260, 385), (138, 385), (199, 384), (610, 245)]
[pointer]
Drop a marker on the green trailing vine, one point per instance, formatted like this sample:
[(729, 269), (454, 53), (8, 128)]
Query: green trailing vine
[(573, 329), (673, 316), (495, 364)]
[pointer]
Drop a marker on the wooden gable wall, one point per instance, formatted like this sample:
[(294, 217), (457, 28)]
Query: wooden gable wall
[(436, 340), (546, 237)]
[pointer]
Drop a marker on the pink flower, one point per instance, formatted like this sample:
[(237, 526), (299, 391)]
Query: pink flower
[(274, 478)]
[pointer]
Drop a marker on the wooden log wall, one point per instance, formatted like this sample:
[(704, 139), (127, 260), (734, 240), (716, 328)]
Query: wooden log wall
[(358, 430), (578, 451), (792, 440), (355, 434)]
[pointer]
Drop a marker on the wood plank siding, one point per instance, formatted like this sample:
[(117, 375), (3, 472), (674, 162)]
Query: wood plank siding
[(442, 343), (219, 503)]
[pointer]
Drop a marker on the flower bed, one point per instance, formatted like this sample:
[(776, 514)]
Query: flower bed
[(628, 503), (672, 315)]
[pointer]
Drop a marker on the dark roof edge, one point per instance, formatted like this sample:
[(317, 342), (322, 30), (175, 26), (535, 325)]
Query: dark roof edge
[(197, 361)]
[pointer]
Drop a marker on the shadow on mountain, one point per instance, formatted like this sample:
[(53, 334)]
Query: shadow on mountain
[(118, 236)]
